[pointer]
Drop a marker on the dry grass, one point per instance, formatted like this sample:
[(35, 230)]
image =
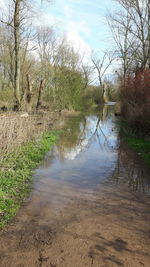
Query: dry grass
[(16, 130)]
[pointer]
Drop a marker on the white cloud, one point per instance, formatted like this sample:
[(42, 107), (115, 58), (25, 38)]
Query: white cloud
[(78, 43), (72, 29), (3, 6), (73, 153), (68, 12), (44, 19), (79, 27)]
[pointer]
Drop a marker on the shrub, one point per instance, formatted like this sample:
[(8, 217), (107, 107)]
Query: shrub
[(135, 95), (94, 94)]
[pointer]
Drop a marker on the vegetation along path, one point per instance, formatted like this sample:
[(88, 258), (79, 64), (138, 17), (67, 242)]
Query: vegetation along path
[(89, 203)]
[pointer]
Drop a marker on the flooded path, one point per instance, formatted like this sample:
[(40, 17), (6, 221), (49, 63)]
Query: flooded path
[(89, 205)]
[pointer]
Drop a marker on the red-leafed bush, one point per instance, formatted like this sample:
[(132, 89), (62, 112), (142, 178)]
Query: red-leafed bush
[(135, 95)]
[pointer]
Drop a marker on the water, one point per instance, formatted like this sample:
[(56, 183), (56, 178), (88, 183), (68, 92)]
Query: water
[(89, 204), (91, 152)]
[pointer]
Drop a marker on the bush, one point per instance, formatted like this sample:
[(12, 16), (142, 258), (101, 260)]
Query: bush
[(135, 95), (94, 94), (6, 98)]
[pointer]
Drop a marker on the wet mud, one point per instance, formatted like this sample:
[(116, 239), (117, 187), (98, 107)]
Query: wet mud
[(89, 204)]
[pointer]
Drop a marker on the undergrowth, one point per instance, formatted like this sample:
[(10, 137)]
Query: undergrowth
[(16, 171), (135, 98), (141, 146)]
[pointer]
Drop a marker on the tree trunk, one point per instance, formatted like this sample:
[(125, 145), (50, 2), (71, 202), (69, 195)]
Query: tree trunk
[(17, 51), (149, 34), (105, 93), (28, 94), (38, 105)]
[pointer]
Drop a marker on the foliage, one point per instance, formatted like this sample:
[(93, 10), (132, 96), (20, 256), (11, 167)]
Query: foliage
[(93, 96), (135, 94), (70, 85), (16, 172), (41, 56)]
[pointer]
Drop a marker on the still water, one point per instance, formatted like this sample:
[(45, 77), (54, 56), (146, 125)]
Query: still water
[(89, 204), (91, 152)]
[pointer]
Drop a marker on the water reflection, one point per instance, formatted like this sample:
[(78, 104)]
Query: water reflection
[(131, 170), (90, 152), (82, 132), (87, 150)]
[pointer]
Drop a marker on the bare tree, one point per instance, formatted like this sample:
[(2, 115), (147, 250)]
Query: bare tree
[(101, 66), (131, 31), (17, 21), (122, 38)]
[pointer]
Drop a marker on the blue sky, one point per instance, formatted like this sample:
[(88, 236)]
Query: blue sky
[(83, 21)]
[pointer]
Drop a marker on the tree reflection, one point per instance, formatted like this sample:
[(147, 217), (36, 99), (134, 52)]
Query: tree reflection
[(131, 170), (83, 130)]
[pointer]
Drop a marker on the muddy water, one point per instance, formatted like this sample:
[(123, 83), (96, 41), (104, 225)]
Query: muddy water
[(89, 205)]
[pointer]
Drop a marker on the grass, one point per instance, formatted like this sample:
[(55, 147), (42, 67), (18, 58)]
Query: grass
[(135, 140), (141, 146), (16, 172)]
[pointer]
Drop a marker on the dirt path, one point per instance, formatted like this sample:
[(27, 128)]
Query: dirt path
[(103, 228)]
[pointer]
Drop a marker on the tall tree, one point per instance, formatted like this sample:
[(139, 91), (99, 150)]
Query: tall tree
[(131, 31), (17, 22)]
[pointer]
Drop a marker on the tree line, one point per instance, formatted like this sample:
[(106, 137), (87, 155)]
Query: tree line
[(35, 61), (37, 65), (130, 28)]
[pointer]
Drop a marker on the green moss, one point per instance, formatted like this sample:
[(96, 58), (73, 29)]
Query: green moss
[(16, 172)]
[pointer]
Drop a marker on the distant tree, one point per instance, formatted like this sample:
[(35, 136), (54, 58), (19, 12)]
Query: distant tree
[(101, 65)]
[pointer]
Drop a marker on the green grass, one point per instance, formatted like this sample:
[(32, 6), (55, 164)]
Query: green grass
[(136, 141), (16, 174), (141, 146)]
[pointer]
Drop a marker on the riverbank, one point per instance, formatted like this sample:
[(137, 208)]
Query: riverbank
[(141, 146), (24, 140), (16, 172), (19, 128)]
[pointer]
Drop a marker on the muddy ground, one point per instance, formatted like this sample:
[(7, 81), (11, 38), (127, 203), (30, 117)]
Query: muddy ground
[(108, 228)]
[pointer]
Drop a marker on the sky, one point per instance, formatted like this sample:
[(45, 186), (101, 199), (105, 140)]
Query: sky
[(82, 21)]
